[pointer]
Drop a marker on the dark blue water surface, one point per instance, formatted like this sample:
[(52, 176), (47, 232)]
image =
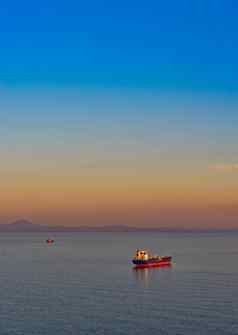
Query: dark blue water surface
[(85, 284)]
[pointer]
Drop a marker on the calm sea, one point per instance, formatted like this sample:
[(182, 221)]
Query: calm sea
[(85, 284)]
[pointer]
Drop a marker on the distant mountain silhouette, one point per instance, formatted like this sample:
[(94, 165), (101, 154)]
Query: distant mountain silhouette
[(21, 223), (24, 225)]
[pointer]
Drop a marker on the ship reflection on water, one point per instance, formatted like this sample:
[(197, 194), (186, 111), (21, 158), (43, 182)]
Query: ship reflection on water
[(145, 277)]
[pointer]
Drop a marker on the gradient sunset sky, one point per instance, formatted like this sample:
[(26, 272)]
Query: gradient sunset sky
[(120, 112)]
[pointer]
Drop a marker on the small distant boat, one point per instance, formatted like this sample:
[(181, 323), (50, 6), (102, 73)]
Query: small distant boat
[(50, 241), (143, 260)]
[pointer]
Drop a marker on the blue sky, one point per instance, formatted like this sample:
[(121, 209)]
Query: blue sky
[(168, 45)]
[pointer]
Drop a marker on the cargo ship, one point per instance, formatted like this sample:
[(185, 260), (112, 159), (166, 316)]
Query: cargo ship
[(143, 260)]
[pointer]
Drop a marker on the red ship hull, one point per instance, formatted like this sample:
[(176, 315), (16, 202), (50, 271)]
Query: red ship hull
[(49, 241), (152, 262), (152, 265)]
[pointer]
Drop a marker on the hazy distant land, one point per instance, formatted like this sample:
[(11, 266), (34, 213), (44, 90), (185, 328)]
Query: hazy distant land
[(27, 226)]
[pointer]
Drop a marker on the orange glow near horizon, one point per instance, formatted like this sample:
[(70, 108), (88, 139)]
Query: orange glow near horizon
[(142, 199)]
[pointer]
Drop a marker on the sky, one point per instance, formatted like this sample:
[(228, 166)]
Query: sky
[(119, 112)]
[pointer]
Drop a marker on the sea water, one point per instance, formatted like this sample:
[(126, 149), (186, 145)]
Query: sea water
[(84, 283)]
